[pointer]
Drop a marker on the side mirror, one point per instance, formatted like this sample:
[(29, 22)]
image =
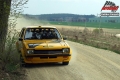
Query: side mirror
[(64, 38), (20, 39)]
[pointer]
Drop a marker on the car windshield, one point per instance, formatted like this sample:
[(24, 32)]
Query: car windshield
[(42, 33)]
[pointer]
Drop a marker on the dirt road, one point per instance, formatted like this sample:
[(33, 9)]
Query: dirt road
[(87, 63)]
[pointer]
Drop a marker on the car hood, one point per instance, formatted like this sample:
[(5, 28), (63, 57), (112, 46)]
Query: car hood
[(45, 44)]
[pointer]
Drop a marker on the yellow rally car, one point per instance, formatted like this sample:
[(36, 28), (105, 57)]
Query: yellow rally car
[(42, 44)]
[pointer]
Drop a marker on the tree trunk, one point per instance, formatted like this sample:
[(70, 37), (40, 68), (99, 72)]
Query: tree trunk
[(5, 6)]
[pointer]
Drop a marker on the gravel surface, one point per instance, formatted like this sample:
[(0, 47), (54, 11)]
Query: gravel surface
[(87, 63)]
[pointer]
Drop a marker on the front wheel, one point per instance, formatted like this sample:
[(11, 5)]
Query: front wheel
[(65, 63)]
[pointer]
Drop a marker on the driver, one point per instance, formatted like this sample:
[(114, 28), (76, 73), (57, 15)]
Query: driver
[(38, 34)]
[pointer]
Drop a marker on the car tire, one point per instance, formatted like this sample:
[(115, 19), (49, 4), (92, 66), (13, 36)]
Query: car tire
[(65, 63)]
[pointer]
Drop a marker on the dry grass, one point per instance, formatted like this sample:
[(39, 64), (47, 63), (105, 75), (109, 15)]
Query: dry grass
[(10, 68), (95, 37)]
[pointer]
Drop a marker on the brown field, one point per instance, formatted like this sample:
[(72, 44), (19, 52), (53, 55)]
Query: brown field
[(105, 39), (114, 31)]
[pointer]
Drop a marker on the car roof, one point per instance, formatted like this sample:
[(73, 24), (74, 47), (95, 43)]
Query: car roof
[(39, 27)]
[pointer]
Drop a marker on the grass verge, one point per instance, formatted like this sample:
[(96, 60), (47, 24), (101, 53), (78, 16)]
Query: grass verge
[(10, 59), (97, 38)]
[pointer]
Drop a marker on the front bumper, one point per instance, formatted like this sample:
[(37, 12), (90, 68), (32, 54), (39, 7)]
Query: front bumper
[(47, 58), (34, 55)]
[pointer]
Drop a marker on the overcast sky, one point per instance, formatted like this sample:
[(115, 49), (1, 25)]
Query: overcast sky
[(66, 6)]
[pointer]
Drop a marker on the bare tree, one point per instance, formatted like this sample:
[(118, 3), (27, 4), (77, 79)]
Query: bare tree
[(10, 10)]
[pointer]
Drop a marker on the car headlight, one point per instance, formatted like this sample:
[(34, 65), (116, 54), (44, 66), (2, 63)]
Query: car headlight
[(66, 50), (30, 51)]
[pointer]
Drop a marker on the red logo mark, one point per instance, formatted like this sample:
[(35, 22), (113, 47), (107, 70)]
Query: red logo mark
[(110, 8)]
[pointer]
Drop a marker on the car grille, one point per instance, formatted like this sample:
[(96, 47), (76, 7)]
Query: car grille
[(47, 51)]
